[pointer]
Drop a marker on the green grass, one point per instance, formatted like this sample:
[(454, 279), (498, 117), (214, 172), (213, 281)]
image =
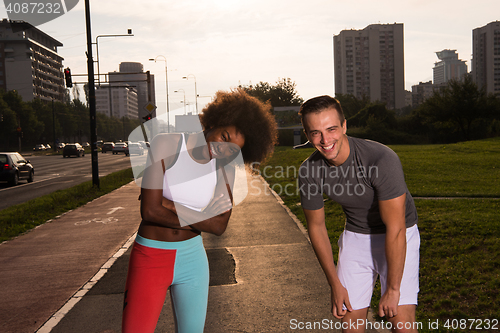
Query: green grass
[(460, 251), (460, 237), (466, 169), (18, 219)]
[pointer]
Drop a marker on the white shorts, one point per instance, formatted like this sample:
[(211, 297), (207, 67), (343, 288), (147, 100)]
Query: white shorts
[(362, 259)]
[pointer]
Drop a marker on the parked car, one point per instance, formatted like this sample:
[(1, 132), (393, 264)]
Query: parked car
[(73, 149), (135, 148), (144, 144), (120, 147), (14, 167), (39, 147), (107, 146)]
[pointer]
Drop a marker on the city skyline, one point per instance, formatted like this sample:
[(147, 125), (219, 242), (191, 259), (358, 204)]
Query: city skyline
[(225, 43)]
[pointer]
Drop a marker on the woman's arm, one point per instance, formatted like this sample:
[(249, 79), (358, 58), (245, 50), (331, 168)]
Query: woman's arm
[(215, 217), (157, 209), (152, 210)]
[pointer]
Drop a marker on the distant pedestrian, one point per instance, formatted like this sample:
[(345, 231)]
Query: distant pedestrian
[(187, 189), (381, 237)]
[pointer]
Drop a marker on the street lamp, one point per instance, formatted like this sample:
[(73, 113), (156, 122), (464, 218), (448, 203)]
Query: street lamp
[(166, 85), (129, 34), (178, 90), (195, 91)]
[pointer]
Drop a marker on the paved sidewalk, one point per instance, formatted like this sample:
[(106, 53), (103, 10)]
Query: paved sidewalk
[(69, 275)]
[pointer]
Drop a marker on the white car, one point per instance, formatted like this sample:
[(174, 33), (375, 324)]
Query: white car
[(135, 148), (120, 147), (39, 147)]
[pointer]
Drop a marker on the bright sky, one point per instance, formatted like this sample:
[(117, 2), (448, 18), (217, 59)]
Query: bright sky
[(224, 43)]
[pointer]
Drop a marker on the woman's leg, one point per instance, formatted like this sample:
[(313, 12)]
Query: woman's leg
[(150, 273), (189, 289)]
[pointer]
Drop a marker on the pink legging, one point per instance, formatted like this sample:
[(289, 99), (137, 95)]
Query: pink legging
[(154, 267)]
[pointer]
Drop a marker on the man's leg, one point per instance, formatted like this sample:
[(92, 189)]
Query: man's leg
[(356, 273), (405, 321), (355, 321)]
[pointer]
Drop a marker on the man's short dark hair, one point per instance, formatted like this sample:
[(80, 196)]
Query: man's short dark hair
[(321, 103)]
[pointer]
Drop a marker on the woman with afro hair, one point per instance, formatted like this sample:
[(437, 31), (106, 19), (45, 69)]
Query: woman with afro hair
[(187, 189)]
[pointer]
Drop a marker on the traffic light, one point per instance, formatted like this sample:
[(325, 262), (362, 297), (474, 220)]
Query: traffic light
[(67, 76), (147, 117)]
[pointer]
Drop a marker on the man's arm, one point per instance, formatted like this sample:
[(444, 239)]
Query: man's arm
[(323, 249), (392, 213)]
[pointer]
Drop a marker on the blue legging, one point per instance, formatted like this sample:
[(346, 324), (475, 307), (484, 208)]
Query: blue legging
[(154, 267)]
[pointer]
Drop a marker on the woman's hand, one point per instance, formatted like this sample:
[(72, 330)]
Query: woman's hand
[(219, 205)]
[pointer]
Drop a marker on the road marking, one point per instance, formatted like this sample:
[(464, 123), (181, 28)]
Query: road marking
[(66, 308), (98, 220), (26, 184), (114, 210), (45, 185)]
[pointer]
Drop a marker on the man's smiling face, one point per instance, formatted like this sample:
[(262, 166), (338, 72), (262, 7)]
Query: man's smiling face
[(328, 135)]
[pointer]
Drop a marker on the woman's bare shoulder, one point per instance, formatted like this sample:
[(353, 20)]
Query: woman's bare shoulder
[(165, 141)]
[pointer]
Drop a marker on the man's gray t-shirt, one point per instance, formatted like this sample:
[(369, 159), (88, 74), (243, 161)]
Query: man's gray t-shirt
[(372, 172)]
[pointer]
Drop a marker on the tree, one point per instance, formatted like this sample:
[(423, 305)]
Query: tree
[(26, 118), (43, 113), (282, 93), (8, 125), (351, 105), (374, 114), (460, 107)]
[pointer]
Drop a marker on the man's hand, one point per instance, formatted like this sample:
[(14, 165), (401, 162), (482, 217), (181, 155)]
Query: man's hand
[(340, 298), (388, 305)]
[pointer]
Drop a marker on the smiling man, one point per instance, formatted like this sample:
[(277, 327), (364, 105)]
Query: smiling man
[(381, 237)]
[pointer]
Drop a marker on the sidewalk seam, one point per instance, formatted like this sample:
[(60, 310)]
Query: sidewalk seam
[(56, 317)]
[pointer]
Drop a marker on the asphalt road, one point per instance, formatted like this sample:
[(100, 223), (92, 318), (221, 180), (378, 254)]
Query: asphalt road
[(53, 172)]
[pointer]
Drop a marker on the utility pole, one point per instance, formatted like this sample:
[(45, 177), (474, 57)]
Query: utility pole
[(54, 125), (92, 106)]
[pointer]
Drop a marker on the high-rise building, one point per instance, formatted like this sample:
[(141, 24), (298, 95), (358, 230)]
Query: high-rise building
[(370, 62), (421, 92), (117, 101), (486, 57), (132, 74), (449, 67), (29, 62)]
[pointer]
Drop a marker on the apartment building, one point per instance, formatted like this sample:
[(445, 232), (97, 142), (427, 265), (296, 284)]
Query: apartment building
[(370, 62), (116, 101), (449, 67), (29, 62), (486, 57), (420, 92), (132, 74)]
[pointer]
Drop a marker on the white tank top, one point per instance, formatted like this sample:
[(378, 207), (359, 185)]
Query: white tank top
[(188, 182)]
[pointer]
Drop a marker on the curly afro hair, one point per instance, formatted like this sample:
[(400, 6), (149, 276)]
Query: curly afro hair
[(250, 116)]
